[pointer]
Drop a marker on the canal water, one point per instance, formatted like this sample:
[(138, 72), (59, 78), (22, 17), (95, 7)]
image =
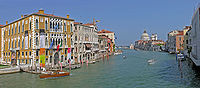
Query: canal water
[(116, 72)]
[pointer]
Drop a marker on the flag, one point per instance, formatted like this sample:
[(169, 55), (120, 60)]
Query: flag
[(51, 45), (58, 47), (69, 50)]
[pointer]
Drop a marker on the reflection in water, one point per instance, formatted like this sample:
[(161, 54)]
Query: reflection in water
[(180, 68), (116, 72)]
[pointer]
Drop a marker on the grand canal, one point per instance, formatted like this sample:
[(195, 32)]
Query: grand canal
[(116, 72)]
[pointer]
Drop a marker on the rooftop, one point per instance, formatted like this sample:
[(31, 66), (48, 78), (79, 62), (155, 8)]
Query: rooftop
[(41, 13), (105, 31), (1, 25)]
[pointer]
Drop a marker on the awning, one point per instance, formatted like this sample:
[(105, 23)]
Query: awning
[(88, 45)]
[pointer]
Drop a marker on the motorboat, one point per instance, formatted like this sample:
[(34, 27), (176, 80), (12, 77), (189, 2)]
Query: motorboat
[(151, 61), (91, 62), (124, 57), (180, 56), (53, 74)]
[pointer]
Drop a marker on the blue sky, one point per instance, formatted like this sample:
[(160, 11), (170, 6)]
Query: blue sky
[(127, 18)]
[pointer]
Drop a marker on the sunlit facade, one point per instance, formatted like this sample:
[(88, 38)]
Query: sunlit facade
[(23, 38)]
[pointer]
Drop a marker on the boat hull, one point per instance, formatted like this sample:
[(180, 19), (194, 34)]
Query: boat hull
[(54, 75)]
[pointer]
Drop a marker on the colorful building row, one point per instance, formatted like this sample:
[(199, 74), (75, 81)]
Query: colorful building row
[(50, 39)]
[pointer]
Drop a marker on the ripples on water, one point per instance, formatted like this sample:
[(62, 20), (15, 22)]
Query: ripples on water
[(116, 72)]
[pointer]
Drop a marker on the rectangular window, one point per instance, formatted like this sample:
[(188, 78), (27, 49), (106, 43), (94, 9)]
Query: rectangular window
[(22, 43), (46, 52), (15, 28), (19, 28), (65, 51), (26, 54), (46, 25), (22, 27), (30, 43), (37, 24), (71, 27), (22, 53), (9, 31), (37, 53), (30, 24), (12, 30), (30, 53), (64, 26)]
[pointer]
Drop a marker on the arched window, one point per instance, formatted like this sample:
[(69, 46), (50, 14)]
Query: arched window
[(18, 43), (46, 42), (12, 44), (71, 27), (22, 27), (53, 42), (19, 28), (15, 44), (9, 31), (15, 28), (12, 30), (9, 45), (64, 26), (50, 25), (36, 41), (56, 42), (29, 24), (36, 23), (58, 25), (23, 44), (53, 25), (30, 43), (46, 25)]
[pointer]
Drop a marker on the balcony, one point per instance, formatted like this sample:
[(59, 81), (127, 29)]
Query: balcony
[(88, 51)]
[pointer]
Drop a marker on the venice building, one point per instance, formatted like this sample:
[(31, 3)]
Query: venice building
[(22, 39), (111, 40), (195, 38), (145, 36), (85, 42)]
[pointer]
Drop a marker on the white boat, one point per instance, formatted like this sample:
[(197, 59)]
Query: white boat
[(124, 57), (180, 56), (151, 61), (117, 53)]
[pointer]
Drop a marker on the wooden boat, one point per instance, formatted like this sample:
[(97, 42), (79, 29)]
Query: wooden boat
[(53, 74)]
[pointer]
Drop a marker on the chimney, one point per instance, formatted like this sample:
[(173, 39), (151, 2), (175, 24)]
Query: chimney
[(41, 11), (6, 22), (22, 16), (67, 16)]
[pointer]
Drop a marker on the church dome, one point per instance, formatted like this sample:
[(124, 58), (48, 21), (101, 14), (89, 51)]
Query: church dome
[(145, 36)]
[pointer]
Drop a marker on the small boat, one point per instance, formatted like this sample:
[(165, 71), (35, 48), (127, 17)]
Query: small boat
[(92, 62), (124, 57), (180, 56), (151, 61), (53, 74)]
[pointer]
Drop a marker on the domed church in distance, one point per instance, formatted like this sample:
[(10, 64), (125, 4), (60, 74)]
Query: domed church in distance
[(145, 36)]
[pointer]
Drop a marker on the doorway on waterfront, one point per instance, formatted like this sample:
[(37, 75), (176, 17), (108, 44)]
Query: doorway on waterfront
[(56, 58)]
